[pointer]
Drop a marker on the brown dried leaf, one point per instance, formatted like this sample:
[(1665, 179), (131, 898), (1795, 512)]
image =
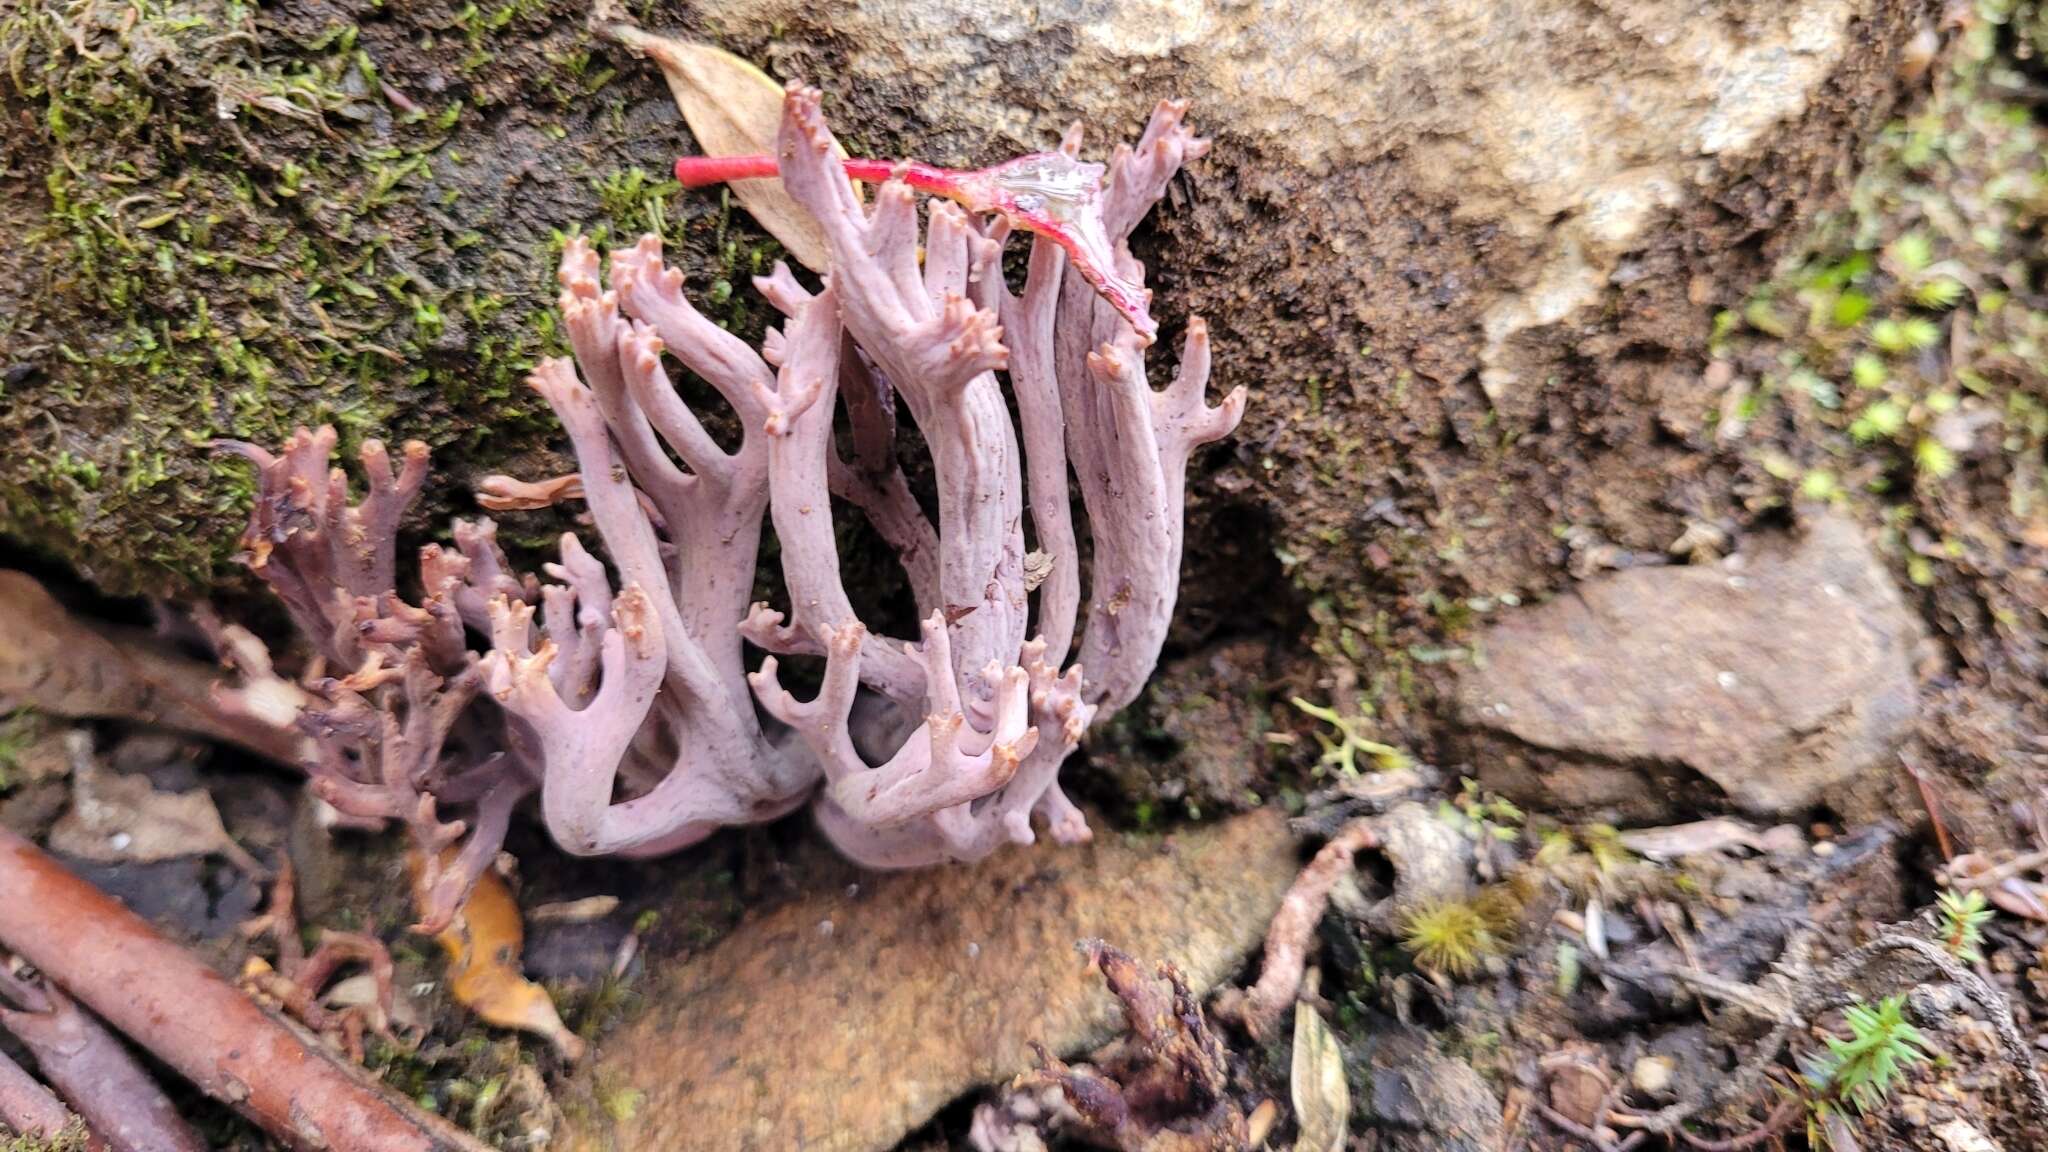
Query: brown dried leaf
[(121, 819), (484, 945), (1322, 1099), (734, 109), (1695, 839)]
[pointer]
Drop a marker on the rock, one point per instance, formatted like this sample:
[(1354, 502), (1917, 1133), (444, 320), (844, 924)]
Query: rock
[(1415, 1098), (843, 1020), (1432, 861), (1760, 683), (1651, 1075), (1454, 248)]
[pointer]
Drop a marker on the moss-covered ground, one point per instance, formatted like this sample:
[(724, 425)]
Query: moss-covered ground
[(234, 218)]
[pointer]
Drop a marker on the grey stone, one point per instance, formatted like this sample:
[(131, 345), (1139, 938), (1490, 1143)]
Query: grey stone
[(842, 1020), (1760, 683)]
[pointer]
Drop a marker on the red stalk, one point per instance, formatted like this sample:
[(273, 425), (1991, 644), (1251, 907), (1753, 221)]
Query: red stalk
[(1019, 190), (704, 171)]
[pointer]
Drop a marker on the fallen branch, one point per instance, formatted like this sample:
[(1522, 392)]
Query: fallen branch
[(26, 1107), (190, 1018), (53, 661), (93, 1071)]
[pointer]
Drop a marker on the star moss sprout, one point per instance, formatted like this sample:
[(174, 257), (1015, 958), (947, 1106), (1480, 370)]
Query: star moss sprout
[(1962, 918), (1859, 1070), (1451, 937)]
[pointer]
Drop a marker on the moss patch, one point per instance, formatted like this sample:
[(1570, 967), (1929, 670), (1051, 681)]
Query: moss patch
[(240, 218), (1899, 364)]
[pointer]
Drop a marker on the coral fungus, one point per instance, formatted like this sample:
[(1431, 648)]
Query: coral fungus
[(627, 705)]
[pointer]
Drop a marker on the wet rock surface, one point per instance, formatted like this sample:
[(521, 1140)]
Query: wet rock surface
[(1759, 683), (845, 1018)]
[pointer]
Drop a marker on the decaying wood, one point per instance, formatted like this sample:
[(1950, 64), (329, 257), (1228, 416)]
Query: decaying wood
[(193, 1020), (55, 662)]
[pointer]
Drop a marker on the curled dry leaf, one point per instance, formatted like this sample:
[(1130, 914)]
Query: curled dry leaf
[(733, 109), (1704, 836), (125, 819), (1322, 1099), (484, 943)]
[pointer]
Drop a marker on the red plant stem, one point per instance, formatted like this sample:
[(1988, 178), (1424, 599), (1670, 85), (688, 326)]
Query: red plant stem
[(185, 1014), (703, 171)]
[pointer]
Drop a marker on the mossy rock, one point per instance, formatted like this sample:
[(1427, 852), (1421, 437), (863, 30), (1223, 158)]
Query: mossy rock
[(1460, 253), (236, 219)]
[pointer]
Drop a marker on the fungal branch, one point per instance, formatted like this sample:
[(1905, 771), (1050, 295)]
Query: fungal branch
[(388, 702), (627, 705)]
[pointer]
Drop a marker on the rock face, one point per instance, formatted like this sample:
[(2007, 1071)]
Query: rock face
[(1454, 248), (1760, 683), (1414, 1097), (845, 1019)]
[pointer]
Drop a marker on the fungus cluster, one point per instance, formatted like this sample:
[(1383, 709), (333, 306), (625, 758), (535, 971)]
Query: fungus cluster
[(617, 689)]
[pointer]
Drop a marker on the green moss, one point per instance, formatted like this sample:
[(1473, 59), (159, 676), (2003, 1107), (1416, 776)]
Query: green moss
[(18, 731), (1913, 340), (247, 232), (72, 1139), (1450, 937)]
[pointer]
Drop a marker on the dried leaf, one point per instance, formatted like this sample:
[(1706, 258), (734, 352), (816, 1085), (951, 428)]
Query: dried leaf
[(574, 911), (733, 109), (1322, 1098), (1695, 839), (125, 819), (1959, 1136), (484, 944)]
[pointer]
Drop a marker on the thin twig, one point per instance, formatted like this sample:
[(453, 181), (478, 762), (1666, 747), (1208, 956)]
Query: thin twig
[(26, 1106), (1927, 800), (1571, 1127), (1294, 926), (1999, 873), (1780, 1119), (187, 1016)]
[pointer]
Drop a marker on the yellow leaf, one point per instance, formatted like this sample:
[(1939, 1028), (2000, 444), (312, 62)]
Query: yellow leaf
[(734, 109), (1322, 1098), (484, 944)]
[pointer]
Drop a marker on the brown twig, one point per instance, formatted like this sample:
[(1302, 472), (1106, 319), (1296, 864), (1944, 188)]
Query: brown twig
[(297, 980), (92, 1070), (1294, 925), (1821, 989), (53, 661), (1573, 1128), (1781, 1118), (190, 1018), (1933, 806), (26, 1106), (1999, 873)]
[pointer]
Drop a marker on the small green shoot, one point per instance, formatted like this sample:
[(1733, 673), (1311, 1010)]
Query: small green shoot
[(1858, 1071), (1963, 916), (1342, 752), (1603, 844), (1481, 815)]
